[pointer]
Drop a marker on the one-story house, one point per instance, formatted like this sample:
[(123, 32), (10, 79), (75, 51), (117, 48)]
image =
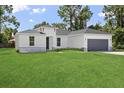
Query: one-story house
[(49, 38)]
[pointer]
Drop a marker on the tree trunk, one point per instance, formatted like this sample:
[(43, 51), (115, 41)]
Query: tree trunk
[(0, 26), (85, 24), (71, 18), (71, 24)]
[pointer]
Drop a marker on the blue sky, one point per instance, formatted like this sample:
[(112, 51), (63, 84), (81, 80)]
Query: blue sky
[(28, 16)]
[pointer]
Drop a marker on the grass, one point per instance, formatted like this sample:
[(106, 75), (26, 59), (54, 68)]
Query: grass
[(67, 68)]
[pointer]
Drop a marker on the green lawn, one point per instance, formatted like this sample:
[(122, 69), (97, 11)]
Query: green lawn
[(66, 69)]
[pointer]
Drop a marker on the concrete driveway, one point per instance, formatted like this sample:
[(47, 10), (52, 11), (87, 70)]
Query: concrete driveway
[(115, 53)]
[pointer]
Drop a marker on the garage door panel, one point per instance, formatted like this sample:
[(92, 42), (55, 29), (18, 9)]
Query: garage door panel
[(97, 44)]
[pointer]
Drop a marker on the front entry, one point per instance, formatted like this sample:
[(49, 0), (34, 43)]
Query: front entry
[(47, 43)]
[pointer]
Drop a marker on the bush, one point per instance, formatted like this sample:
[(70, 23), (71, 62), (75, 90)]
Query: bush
[(57, 50), (118, 38), (1, 36), (120, 47), (17, 51)]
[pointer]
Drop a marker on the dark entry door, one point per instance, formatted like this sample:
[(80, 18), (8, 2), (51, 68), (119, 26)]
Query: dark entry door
[(97, 45), (47, 42)]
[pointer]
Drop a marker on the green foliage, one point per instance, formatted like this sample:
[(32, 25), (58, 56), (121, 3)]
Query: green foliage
[(1, 37), (77, 23), (8, 33), (97, 26), (59, 25), (6, 36), (62, 49), (6, 17), (44, 23), (17, 51), (75, 16), (84, 16), (107, 27), (114, 14), (118, 38), (68, 14)]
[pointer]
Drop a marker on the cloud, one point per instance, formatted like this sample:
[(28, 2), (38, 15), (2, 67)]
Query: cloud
[(18, 8), (43, 9), (38, 10), (101, 14), (31, 20)]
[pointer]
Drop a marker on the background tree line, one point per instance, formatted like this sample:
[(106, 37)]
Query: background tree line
[(8, 25), (114, 17)]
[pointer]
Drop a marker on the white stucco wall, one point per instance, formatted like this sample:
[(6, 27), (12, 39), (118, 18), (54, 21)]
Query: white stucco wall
[(22, 42), (50, 32), (16, 41), (75, 41), (64, 41), (98, 36)]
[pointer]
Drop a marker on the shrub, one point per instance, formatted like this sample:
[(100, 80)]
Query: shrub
[(57, 50), (118, 38), (17, 51), (120, 47)]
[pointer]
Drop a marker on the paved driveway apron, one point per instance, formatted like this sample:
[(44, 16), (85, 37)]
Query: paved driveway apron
[(115, 53)]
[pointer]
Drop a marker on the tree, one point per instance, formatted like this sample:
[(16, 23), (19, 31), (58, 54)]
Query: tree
[(68, 13), (6, 17), (6, 36), (1, 37), (108, 26), (118, 38), (59, 25), (114, 14), (97, 26), (8, 33), (84, 16), (44, 23), (75, 16)]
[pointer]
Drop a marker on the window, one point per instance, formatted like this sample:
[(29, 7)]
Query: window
[(31, 40), (58, 41)]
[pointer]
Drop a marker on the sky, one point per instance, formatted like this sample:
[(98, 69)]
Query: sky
[(30, 15)]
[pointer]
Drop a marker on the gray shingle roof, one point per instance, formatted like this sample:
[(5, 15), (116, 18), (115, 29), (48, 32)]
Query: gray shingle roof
[(96, 31), (31, 31), (92, 31), (76, 32), (62, 32), (66, 32)]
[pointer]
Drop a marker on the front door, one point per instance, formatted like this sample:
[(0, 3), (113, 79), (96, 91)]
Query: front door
[(47, 43)]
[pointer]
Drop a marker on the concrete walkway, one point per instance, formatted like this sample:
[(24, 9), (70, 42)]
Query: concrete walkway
[(115, 53)]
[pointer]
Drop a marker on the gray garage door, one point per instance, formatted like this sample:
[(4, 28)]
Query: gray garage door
[(97, 45)]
